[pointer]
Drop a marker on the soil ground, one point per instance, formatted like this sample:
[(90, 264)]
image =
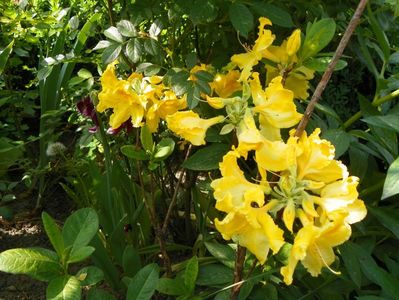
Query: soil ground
[(26, 230)]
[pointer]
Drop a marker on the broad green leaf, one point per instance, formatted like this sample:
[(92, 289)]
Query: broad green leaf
[(389, 217), (358, 161), (320, 64), (352, 265), (370, 298), (144, 283), (203, 86), (390, 121), (80, 228), (172, 287), (267, 291), (64, 288), (203, 75), (193, 96), (131, 261), (146, 138), (207, 158), (80, 254), (4, 54), (180, 83), (226, 129), (224, 253), (276, 14), (391, 184), (190, 274), (340, 139), (388, 283), (152, 47), (155, 28), (102, 45), (203, 11), (99, 294), (111, 53), (126, 28), (318, 35), (90, 275), (134, 50), (214, 275), (131, 152), (163, 149), (38, 263), (54, 233), (149, 69), (241, 18), (113, 34)]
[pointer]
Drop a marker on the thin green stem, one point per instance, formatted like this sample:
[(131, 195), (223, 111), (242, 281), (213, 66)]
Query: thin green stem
[(375, 103)]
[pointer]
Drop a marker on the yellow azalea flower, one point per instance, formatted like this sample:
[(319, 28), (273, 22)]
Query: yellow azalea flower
[(118, 95), (224, 85), (275, 156), (342, 196), (315, 161), (257, 236), (248, 135), (215, 102), (294, 42), (190, 126), (313, 246), (275, 103), (246, 61)]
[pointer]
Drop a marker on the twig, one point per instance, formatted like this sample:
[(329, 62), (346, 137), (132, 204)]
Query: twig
[(238, 271), (327, 74)]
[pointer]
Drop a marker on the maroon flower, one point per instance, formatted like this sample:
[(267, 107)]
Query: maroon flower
[(86, 108)]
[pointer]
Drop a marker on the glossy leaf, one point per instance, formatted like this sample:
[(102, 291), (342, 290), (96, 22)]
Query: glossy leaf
[(190, 274), (391, 184), (223, 253), (276, 14), (207, 158), (4, 55), (134, 50), (172, 287), (113, 34), (99, 294), (131, 152), (80, 254), (340, 139), (241, 18), (388, 217), (144, 283), (111, 53), (64, 288), (164, 149), (126, 28), (80, 228), (214, 274), (90, 275), (38, 263), (320, 64), (203, 11), (53, 232), (146, 138)]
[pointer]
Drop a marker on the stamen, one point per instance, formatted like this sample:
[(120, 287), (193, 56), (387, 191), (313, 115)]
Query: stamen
[(325, 264)]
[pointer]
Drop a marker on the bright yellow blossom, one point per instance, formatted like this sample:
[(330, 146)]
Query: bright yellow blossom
[(246, 61), (190, 126), (224, 85)]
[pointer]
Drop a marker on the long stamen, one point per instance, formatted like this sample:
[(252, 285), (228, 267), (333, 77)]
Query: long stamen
[(325, 263)]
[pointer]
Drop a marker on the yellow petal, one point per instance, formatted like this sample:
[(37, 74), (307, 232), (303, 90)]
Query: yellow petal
[(294, 42), (289, 215)]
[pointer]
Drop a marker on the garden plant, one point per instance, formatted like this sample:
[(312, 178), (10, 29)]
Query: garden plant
[(212, 149)]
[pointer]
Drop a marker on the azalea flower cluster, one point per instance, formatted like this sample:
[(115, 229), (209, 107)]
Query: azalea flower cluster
[(300, 194)]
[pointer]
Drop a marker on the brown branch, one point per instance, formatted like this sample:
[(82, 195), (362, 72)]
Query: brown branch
[(327, 74), (238, 271)]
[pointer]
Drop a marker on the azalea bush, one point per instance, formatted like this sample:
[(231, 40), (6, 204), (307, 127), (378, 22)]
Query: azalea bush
[(210, 176)]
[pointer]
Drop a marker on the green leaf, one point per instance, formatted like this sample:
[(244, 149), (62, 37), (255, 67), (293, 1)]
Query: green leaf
[(390, 121), (38, 263), (388, 217), (203, 75), (207, 158), (276, 14), (172, 287), (193, 96), (134, 50), (54, 233), (144, 283), (190, 274), (223, 253), (64, 288), (152, 47), (111, 53), (155, 28), (102, 45), (90, 275), (318, 35), (340, 139), (214, 275), (388, 283), (352, 265), (146, 138), (203, 11), (126, 28), (391, 184), (80, 254), (131, 260), (226, 129), (320, 64), (131, 152), (113, 34), (4, 55), (149, 69), (163, 149), (80, 228), (241, 18), (99, 294)]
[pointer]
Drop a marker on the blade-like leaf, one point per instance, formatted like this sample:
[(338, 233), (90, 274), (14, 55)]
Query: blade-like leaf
[(4, 54), (53, 232), (144, 283), (38, 263), (190, 274)]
